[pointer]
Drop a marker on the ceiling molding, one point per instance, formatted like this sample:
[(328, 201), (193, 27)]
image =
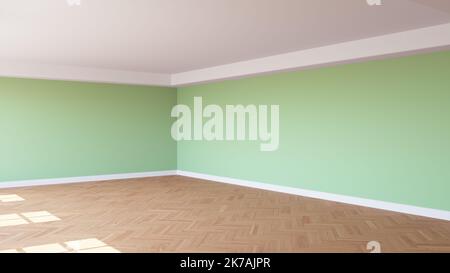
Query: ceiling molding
[(385, 45), (424, 39), (84, 74)]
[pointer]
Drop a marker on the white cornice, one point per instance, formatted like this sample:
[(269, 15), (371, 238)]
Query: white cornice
[(392, 44), (84, 74), (407, 42)]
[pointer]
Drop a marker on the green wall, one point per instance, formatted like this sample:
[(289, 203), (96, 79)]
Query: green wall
[(378, 130), (54, 129)]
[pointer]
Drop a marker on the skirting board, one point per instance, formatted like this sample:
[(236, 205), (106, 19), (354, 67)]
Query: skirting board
[(408, 209), (83, 179)]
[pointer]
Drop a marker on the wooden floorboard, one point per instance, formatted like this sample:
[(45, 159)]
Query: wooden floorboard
[(179, 214)]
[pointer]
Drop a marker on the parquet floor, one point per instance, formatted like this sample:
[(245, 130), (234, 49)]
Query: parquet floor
[(178, 214)]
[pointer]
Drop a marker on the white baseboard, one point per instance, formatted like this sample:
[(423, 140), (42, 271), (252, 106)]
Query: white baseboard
[(82, 179), (408, 209), (414, 210)]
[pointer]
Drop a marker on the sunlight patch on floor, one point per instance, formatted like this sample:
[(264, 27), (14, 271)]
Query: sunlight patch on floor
[(48, 248), (10, 198), (91, 245), (15, 219), (40, 216), (9, 251)]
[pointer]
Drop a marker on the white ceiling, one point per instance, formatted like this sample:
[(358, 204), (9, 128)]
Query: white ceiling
[(173, 36)]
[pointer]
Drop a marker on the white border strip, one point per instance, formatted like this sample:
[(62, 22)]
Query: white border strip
[(82, 179), (412, 41), (83, 74), (420, 211)]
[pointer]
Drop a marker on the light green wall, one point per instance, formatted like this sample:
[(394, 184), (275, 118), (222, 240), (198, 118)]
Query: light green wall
[(53, 129), (378, 130)]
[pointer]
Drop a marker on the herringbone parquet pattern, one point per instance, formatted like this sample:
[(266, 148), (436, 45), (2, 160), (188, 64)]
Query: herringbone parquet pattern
[(178, 214)]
